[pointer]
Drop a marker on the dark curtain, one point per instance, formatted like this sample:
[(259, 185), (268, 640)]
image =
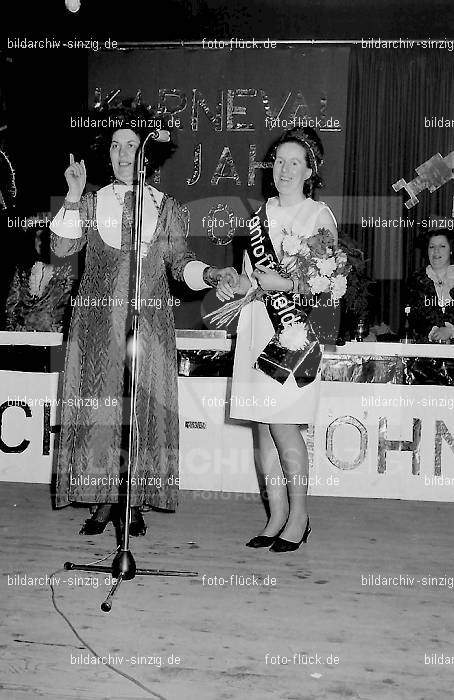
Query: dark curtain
[(393, 96)]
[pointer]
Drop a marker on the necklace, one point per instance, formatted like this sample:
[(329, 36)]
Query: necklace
[(440, 279), (122, 201), (143, 246)]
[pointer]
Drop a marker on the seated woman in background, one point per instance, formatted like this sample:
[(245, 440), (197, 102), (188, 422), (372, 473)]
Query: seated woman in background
[(430, 291), (39, 295)]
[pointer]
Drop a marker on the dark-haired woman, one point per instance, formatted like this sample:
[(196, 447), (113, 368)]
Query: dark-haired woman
[(279, 409), (430, 291), (91, 460)]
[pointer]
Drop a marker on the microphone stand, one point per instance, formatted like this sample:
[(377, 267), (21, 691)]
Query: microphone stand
[(123, 565)]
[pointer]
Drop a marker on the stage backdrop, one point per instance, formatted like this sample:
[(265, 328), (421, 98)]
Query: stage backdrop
[(228, 107)]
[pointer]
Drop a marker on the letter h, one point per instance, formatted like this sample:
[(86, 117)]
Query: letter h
[(402, 445)]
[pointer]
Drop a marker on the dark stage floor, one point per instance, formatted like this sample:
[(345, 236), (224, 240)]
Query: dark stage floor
[(324, 630)]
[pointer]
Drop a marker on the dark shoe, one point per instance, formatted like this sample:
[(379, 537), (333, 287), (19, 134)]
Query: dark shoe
[(137, 526), (98, 521), (281, 545), (263, 540)]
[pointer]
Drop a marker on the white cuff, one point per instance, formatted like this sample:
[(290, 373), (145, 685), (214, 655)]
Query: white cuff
[(193, 275), (67, 224)]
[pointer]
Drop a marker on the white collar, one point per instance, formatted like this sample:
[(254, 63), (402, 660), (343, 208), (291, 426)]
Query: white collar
[(109, 213), (449, 278)]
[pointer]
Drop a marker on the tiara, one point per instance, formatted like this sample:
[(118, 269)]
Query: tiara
[(8, 185), (308, 145)]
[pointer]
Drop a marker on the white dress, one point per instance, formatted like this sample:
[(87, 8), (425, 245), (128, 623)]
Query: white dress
[(255, 396)]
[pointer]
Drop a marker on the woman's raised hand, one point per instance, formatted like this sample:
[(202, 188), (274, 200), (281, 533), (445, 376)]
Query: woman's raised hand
[(76, 177)]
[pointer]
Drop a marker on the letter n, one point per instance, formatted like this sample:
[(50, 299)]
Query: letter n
[(441, 432)]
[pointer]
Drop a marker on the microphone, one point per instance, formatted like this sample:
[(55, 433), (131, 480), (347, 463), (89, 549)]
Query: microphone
[(160, 135)]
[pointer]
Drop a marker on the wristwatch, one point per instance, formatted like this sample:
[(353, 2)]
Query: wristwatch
[(208, 277)]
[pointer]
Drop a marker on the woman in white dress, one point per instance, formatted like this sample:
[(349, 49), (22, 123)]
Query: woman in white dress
[(279, 408)]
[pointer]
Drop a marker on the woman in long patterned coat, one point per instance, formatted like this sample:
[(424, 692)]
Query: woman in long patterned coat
[(92, 459)]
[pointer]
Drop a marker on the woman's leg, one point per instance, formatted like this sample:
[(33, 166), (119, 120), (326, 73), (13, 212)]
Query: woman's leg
[(274, 482), (293, 457)]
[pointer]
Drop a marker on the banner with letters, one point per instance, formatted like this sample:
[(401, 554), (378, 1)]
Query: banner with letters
[(384, 441), (369, 441), (28, 423)]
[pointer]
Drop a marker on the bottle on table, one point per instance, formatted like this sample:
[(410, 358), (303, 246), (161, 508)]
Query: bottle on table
[(360, 332), (408, 333)]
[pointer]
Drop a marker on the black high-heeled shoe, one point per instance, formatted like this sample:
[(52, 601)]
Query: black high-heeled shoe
[(263, 540), (137, 525), (95, 525), (281, 545)]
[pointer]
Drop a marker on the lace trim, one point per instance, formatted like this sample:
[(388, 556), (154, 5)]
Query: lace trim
[(71, 205)]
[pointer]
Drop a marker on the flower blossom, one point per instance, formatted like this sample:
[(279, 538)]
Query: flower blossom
[(291, 244), (294, 337), (326, 266), (319, 284), (338, 286)]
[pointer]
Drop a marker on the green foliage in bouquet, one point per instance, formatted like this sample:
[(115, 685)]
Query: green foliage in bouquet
[(357, 298)]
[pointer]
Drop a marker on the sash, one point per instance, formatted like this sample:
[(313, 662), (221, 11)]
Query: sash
[(277, 361)]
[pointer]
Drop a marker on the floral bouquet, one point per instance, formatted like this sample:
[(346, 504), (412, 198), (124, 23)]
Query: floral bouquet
[(294, 348), (316, 263)]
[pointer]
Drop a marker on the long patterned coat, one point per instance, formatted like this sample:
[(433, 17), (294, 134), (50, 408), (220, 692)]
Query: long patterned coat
[(95, 415)]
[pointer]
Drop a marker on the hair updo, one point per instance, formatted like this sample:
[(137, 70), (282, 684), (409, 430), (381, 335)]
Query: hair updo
[(127, 115), (308, 139)]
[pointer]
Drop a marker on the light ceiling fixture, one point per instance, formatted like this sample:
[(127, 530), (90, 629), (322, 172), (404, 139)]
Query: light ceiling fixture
[(72, 5)]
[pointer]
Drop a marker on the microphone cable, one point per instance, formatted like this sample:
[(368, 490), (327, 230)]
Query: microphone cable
[(129, 678)]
